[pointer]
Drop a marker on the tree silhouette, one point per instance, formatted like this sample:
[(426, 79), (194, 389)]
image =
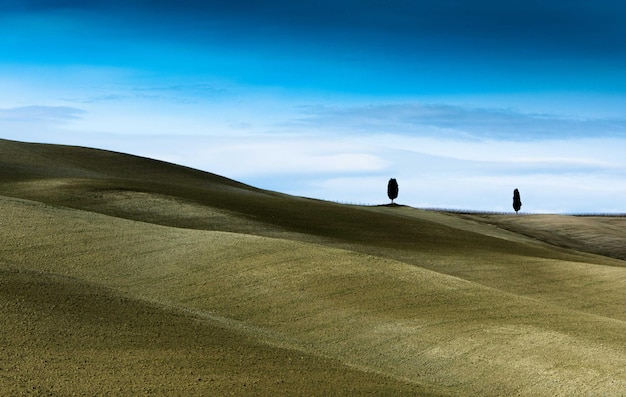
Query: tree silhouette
[(517, 201), (392, 189)]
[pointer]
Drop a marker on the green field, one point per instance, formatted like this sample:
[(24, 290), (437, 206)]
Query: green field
[(121, 275)]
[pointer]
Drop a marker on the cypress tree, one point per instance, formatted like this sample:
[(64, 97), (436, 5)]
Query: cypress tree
[(517, 201), (392, 189)]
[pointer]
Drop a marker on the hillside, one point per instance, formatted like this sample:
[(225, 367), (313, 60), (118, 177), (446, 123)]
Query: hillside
[(145, 276), (602, 235)]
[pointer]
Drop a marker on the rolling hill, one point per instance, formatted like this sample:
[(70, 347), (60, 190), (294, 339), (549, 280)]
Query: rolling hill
[(127, 275)]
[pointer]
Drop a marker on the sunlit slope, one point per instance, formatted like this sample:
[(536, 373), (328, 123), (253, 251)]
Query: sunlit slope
[(63, 336), (446, 334)]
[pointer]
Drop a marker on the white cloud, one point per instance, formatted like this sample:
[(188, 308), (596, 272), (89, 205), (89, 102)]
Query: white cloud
[(352, 170), (260, 156)]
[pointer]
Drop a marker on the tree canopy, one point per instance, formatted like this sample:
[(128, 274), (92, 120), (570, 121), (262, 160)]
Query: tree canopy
[(392, 189), (517, 201)]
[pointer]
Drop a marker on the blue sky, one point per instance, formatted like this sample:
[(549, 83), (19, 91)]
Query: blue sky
[(462, 102)]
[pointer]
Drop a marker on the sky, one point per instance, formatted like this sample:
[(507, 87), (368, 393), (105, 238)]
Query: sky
[(461, 102)]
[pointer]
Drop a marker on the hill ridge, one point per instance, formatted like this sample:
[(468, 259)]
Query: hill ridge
[(453, 304)]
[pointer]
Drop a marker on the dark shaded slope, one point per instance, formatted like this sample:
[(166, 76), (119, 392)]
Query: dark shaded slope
[(603, 235), (21, 161)]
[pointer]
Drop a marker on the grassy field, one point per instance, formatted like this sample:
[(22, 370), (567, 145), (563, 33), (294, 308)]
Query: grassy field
[(121, 275)]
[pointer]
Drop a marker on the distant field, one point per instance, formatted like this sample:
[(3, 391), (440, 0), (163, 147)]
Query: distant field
[(601, 234), (124, 275)]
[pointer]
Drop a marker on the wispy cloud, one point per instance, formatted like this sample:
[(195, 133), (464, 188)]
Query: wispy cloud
[(35, 113), (176, 93), (37, 123), (452, 121), (297, 156)]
